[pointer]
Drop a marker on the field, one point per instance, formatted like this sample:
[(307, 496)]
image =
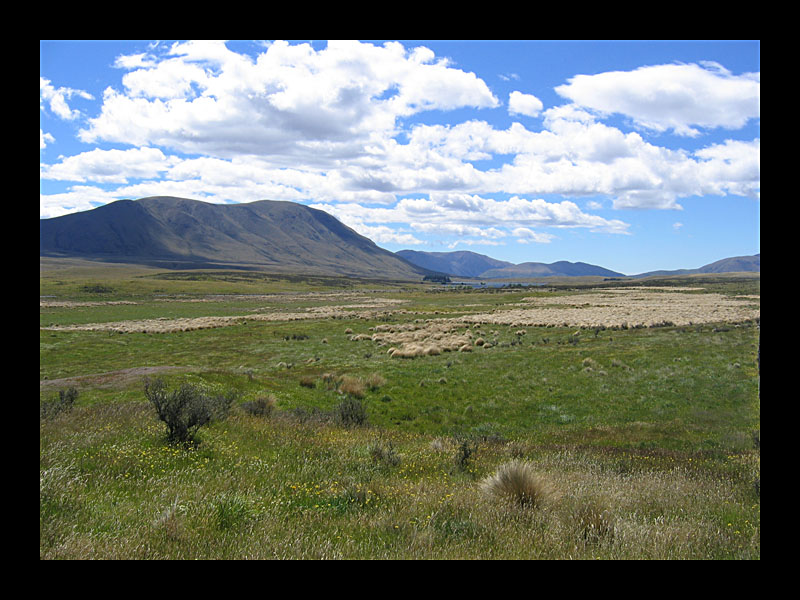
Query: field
[(386, 410)]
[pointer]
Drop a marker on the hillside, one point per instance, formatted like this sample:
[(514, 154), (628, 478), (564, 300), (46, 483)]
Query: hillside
[(561, 268), (177, 232), (462, 263), (734, 264), (471, 264)]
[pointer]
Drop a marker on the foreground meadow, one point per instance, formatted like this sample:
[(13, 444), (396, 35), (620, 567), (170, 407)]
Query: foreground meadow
[(385, 411)]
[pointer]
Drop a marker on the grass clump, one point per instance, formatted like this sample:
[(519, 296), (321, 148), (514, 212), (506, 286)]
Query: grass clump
[(519, 482), (185, 410), (384, 453), (352, 386), (375, 382)]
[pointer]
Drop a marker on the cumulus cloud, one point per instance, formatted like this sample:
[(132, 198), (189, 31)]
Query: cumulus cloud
[(332, 128), (676, 97), (289, 101), (524, 104), (77, 198), (56, 99), (473, 218), (44, 139), (109, 166)]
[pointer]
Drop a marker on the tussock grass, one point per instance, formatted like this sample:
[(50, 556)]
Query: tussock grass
[(352, 386), (519, 482)]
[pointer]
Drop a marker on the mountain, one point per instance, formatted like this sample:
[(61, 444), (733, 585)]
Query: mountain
[(561, 268), (470, 264), (726, 265), (734, 264), (462, 263), (177, 232)]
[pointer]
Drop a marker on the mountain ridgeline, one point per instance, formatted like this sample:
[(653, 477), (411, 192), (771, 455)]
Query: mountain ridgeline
[(470, 264), (283, 237), (179, 233)]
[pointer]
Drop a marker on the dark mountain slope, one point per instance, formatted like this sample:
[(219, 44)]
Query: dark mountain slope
[(283, 236)]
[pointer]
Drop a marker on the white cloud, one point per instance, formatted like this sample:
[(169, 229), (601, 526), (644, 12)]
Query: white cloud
[(44, 139), (524, 104), (78, 198), (109, 166), (291, 101), (526, 236), (383, 234), (677, 97), (472, 218), (330, 127), (56, 99)]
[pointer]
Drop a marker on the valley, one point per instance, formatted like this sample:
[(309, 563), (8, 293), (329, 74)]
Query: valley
[(637, 402)]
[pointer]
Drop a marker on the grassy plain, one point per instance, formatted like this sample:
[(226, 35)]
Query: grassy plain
[(648, 436)]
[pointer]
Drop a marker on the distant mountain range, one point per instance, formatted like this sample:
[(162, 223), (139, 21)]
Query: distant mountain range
[(180, 233), (461, 263), (470, 264), (734, 264), (283, 237)]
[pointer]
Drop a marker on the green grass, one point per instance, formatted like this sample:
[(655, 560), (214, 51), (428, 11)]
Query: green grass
[(650, 438)]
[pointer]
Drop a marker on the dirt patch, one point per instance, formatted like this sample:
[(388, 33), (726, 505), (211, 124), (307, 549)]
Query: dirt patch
[(109, 380)]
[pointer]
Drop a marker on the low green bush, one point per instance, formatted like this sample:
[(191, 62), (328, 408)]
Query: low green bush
[(261, 406), (351, 412), (185, 410)]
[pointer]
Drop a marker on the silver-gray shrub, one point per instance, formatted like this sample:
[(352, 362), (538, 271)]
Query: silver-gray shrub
[(186, 409)]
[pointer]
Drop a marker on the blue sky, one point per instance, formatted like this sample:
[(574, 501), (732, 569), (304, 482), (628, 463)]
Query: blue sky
[(631, 155)]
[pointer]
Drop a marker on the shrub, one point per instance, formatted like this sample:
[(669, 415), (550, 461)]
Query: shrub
[(518, 482), (466, 448), (261, 406), (187, 409), (351, 412), (64, 403)]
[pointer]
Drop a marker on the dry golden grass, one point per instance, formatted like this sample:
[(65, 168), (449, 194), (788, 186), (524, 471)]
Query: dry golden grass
[(607, 308), (519, 482)]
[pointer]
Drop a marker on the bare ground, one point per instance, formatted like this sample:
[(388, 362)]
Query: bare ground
[(110, 379)]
